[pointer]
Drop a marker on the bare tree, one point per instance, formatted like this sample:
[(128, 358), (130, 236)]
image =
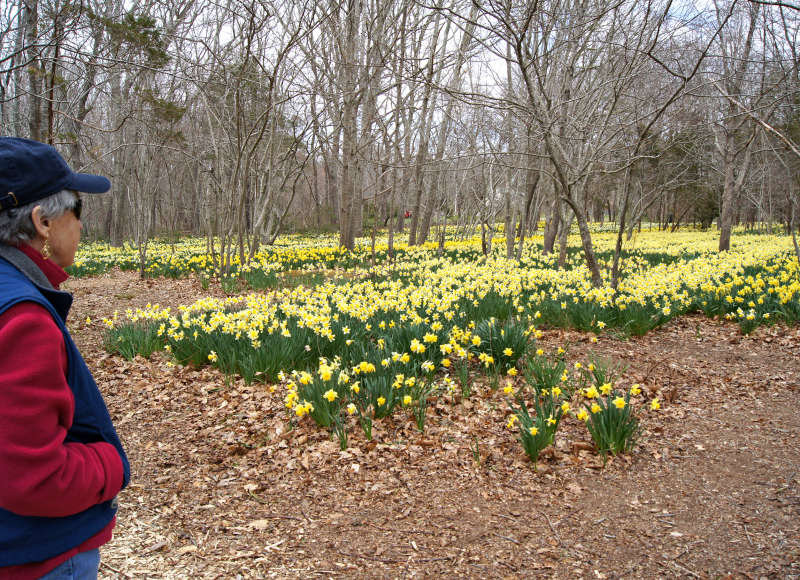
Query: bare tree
[(255, 153), (576, 61), (736, 131)]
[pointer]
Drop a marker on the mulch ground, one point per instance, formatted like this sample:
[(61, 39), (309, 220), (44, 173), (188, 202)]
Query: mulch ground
[(222, 488)]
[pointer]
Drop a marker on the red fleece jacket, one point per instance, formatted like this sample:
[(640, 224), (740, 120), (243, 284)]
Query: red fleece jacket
[(40, 474)]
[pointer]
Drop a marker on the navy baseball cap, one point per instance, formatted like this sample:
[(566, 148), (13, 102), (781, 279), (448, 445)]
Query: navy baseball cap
[(30, 171)]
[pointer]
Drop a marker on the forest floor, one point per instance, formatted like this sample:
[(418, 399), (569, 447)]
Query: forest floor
[(222, 488)]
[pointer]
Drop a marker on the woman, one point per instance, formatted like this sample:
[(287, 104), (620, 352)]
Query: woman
[(61, 461)]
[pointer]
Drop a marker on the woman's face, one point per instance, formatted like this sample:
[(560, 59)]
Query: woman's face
[(65, 233), (61, 235)]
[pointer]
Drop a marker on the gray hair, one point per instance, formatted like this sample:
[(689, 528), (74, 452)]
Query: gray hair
[(16, 224)]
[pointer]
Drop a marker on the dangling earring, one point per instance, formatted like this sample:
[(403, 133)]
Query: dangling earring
[(46, 249)]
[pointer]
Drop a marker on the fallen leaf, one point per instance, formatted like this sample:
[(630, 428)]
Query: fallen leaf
[(260, 524)]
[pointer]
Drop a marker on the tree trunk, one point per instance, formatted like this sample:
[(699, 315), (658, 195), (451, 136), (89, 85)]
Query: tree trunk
[(424, 136), (794, 229), (735, 165), (728, 196), (533, 182), (562, 243), (35, 71), (552, 226), (350, 106), (586, 242)]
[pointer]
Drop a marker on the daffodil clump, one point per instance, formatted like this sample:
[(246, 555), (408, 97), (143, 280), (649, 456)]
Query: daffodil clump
[(322, 395), (586, 392), (389, 366), (331, 394), (141, 334), (502, 343), (538, 422), (611, 419), (663, 276), (538, 410), (452, 311)]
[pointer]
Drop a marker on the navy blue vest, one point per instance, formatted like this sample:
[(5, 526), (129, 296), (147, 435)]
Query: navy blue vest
[(25, 539)]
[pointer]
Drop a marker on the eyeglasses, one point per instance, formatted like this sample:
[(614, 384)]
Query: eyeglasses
[(77, 208)]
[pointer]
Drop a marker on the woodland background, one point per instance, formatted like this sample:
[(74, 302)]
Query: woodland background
[(243, 119)]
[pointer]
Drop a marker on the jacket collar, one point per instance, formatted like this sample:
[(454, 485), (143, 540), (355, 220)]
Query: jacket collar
[(60, 300), (24, 264), (55, 274)]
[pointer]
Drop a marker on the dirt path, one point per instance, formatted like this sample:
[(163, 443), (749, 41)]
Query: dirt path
[(221, 490)]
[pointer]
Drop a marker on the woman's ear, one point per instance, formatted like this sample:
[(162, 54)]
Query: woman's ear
[(41, 224)]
